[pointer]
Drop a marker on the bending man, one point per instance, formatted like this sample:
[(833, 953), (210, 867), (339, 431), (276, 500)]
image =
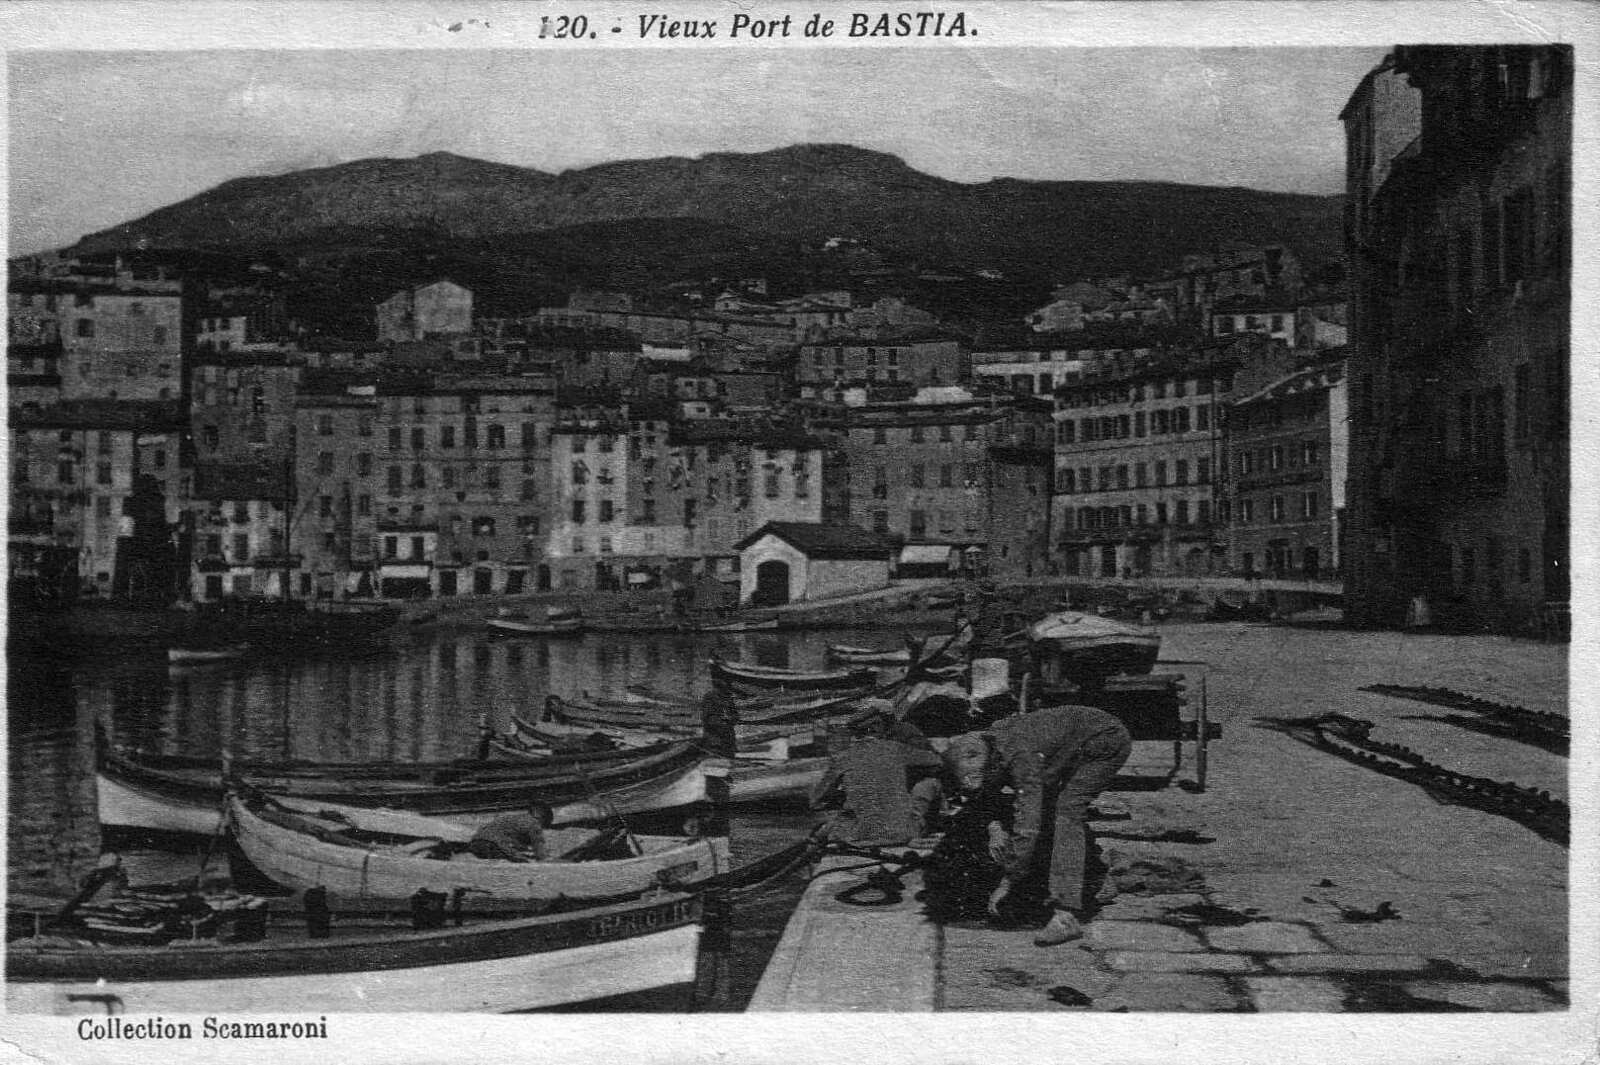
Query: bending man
[(1057, 760)]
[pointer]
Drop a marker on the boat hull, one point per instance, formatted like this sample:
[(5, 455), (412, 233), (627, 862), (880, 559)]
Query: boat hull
[(506, 627), (299, 860), (780, 780), (133, 796), (868, 656), (496, 966), (770, 680)]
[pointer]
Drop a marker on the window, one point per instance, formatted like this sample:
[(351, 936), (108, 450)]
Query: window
[(1183, 512), (1180, 419), (1204, 507), (880, 435), (1275, 457), (1161, 513), (917, 476), (1522, 383), (944, 434), (325, 506), (579, 511), (1202, 470), (1469, 567), (946, 477), (606, 510), (1066, 431), (364, 464), (1308, 505), (491, 477), (1524, 565), (447, 475), (649, 517), (363, 425), (690, 509), (918, 525), (1247, 462), (1247, 511), (1159, 422), (324, 463), (1518, 235), (447, 436), (1202, 417), (880, 522), (419, 439), (102, 473), (394, 437), (1310, 452), (1492, 267), (495, 438), (483, 525), (85, 327), (419, 477), (1141, 475), (1277, 508), (419, 547), (1064, 481), (1106, 474), (241, 547), (1181, 472), (1161, 474), (364, 505), (391, 547), (1122, 476)]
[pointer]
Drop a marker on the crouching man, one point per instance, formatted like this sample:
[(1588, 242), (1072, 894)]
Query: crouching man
[(1056, 760)]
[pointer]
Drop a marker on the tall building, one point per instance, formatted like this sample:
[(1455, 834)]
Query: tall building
[(947, 468), (1140, 455), (1288, 457), (1457, 232), (441, 308)]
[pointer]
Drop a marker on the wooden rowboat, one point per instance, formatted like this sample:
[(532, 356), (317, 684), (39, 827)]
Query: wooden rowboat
[(840, 652), (1084, 649), (739, 674), (185, 795), (750, 779), (377, 964), (557, 621), (384, 854), (765, 624)]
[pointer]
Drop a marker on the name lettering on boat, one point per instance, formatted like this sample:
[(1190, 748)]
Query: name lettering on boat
[(621, 924)]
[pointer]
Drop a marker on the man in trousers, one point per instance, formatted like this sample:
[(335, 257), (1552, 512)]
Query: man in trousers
[(1057, 760)]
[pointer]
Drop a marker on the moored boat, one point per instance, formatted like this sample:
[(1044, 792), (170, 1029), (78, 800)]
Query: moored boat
[(1085, 649), (766, 678), (556, 621), (743, 625), (840, 652), (185, 795), (386, 854), (375, 964)]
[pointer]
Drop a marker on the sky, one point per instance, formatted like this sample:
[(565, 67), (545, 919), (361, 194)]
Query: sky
[(98, 138)]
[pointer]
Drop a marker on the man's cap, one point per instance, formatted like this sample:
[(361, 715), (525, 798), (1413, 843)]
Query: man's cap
[(962, 746)]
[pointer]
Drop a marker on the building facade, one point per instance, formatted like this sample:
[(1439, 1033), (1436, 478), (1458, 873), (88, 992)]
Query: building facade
[(1288, 458), (1459, 242)]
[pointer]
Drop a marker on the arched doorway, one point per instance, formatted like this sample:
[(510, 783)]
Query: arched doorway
[(772, 584)]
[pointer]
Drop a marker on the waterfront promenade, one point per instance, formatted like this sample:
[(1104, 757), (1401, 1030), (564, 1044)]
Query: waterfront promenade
[(1296, 882)]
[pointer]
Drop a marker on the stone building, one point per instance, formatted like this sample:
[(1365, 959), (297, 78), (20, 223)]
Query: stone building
[(785, 562), (639, 498), (409, 485), (118, 339), (1139, 452), (959, 470), (1288, 456), (438, 309), (100, 482), (1458, 235), (923, 359)]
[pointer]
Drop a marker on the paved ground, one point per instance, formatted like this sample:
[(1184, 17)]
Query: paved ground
[(1301, 842)]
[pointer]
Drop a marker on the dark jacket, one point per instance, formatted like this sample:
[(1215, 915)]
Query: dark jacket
[(1036, 752)]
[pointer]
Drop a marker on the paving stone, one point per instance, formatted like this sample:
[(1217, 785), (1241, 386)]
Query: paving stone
[(1494, 997), (1266, 937), (1407, 937), (1139, 935), (1153, 961), (1146, 907), (1297, 994), (1347, 963), (1171, 992)]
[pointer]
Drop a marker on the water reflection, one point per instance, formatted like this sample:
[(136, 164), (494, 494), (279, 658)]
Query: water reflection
[(424, 699)]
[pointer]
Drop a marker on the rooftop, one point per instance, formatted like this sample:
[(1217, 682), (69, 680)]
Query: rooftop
[(823, 541)]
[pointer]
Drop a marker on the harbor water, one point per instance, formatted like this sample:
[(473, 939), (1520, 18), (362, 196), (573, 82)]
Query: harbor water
[(422, 697)]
